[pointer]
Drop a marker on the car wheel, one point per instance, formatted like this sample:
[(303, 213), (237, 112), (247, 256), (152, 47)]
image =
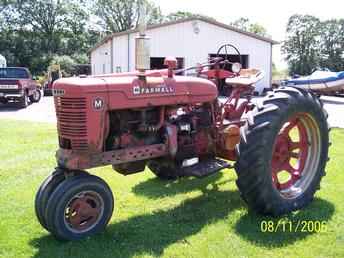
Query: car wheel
[(24, 101), (36, 96)]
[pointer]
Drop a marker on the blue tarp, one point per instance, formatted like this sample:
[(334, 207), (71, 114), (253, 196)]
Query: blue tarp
[(318, 77)]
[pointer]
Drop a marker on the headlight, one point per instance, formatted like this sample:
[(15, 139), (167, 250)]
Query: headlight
[(236, 68), (9, 87)]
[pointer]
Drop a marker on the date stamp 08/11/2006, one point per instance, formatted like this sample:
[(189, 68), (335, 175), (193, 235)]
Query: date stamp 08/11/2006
[(289, 226)]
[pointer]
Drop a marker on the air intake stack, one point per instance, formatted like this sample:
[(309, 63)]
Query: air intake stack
[(142, 43)]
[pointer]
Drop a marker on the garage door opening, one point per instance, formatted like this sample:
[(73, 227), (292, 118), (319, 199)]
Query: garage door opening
[(234, 59), (158, 63)]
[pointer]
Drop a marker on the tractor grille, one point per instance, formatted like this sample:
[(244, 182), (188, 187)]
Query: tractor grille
[(72, 121)]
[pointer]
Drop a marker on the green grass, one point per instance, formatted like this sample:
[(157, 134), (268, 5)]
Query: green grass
[(188, 218)]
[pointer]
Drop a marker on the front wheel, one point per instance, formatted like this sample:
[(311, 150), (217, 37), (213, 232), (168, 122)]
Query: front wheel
[(283, 152), (79, 207), (46, 189), (24, 101), (36, 96), (3, 101)]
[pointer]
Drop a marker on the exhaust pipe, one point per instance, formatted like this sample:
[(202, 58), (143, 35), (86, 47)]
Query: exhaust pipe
[(142, 50)]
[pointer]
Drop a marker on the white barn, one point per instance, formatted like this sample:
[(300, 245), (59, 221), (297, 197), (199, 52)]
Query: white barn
[(190, 40)]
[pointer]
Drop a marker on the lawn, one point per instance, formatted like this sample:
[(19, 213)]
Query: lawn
[(187, 218)]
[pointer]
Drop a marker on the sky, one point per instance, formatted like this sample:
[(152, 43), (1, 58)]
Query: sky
[(273, 15)]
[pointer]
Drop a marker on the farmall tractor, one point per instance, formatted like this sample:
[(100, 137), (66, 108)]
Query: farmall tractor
[(178, 127)]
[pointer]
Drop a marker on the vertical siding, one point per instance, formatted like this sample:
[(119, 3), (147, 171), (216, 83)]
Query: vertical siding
[(180, 40), (121, 53), (101, 58)]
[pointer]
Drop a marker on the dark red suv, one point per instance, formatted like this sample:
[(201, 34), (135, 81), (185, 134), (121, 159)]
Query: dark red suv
[(17, 84)]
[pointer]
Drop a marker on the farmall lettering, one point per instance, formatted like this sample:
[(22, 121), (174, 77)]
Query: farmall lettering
[(138, 90)]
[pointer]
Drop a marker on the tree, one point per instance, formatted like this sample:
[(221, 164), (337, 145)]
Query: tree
[(302, 44), (67, 64), (332, 44), (244, 23), (179, 15), (51, 19), (184, 15), (34, 31), (122, 15)]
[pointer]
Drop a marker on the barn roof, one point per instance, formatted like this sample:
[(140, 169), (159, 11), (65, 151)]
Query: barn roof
[(204, 19)]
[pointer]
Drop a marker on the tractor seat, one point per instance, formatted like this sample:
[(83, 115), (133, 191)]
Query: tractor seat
[(247, 77)]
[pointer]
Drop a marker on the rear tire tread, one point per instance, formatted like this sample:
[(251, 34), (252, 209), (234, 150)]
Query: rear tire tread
[(252, 167)]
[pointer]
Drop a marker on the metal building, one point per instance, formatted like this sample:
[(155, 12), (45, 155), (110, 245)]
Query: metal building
[(190, 40)]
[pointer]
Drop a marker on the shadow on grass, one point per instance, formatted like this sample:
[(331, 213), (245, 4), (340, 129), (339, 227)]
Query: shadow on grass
[(148, 233), (156, 188), (249, 225), (151, 233)]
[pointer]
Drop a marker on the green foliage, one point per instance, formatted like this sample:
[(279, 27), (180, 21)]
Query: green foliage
[(184, 15), (244, 23), (313, 44), (278, 74), (122, 15), (332, 44), (302, 44), (34, 31), (67, 64), (179, 15)]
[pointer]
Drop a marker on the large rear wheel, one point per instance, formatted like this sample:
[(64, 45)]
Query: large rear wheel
[(283, 152)]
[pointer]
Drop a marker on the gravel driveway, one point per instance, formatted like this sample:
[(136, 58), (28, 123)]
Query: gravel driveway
[(335, 109), (44, 111)]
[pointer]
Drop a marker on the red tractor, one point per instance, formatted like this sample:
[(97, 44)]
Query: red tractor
[(178, 127)]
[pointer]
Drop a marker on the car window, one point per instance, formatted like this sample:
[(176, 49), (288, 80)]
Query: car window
[(14, 73)]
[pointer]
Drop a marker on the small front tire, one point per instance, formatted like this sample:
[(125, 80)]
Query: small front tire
[(46, 189), (79, 207)]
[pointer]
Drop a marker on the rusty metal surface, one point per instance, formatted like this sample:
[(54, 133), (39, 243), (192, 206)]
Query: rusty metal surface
[(74, 160)]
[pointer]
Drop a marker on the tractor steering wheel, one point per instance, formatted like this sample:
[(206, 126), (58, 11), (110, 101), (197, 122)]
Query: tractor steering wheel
[(226, 59)]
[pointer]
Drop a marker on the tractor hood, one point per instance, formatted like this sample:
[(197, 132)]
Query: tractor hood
[(131, 92)]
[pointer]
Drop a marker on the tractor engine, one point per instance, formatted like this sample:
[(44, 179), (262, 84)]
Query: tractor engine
[(187, 131), (125, 121), (130, 128), (194, 134)]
